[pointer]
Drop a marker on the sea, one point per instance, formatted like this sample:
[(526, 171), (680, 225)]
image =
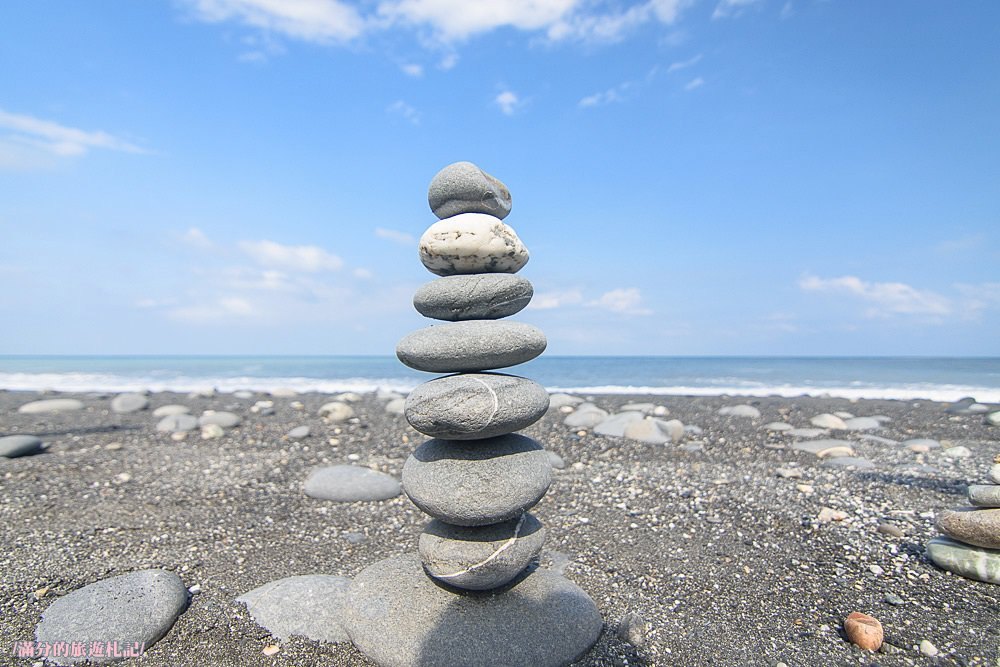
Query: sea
[(928, 378)]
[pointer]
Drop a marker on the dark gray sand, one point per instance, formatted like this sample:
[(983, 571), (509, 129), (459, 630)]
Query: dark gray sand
[(723, 561)]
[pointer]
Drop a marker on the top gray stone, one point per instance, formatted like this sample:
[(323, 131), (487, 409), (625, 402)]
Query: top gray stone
[(131, 609), (307, 605), (476, 296), (475, 345), (51, 405), (463, 187), (125, 403)]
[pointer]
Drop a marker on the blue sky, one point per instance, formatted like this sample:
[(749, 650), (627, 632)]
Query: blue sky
[(690, 176)]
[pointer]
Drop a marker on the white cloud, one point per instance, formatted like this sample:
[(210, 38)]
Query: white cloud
[(459, 19), (402, 238), (626, 300), (196, 238), (448, 61), (732, 8), (404, 111), (551, 300), (309, 20), (694, 84), (977, 298), (886, 298), (611, 27), (412, 69), (508, 101), (363, 274), (307, 258), (609, 96), (30, 142), (221, 310), (684, 64)]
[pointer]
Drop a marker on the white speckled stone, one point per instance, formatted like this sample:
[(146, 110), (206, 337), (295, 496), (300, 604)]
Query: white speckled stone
[(471, 243), (475, 345), (476, 296), (463, 187)]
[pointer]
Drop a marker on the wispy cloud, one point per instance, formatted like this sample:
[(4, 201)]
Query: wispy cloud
[(609, 96), (694, 84), (196, 238), (412, 69), (977, 298), (322, 21), (404, 111), (626, 301), (614, 26), (308, 258), (886, 299), (961, 244), (402, 238), (732, 8), (552, 300), (27, 140), (684, 64), (508, 102)]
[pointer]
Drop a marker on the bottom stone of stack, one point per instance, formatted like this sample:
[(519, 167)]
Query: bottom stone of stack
[(483, 557), (399, 617), (965, 560)]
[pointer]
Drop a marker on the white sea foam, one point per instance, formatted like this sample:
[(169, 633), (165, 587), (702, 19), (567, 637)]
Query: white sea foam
[(105, 382)]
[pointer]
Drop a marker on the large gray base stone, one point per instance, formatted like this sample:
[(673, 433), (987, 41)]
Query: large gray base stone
[(399, 617), (307, 605)]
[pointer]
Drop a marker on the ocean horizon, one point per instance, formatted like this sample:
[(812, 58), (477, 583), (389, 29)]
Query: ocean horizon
[(903, 378)]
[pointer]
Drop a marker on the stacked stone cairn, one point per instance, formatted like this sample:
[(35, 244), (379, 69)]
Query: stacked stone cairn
[(474, 595), (971, 548)]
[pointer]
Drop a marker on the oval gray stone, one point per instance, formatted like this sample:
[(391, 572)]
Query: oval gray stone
[(125, 403), (12, 446), (170, 410), (475, 483), (482, 557), (347, 483), (220, 418), (476, 296), (471, 243), (399, 617), (475, 405), (463, 187), (135, 608), (984, 495), (475, 345), (965, 560), (308, 605), (177, 423), (972, 525), (51, 405)]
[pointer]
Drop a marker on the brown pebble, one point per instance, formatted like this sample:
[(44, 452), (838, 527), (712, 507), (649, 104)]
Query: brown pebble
[(271, 649), (890, 529), (863, 631)]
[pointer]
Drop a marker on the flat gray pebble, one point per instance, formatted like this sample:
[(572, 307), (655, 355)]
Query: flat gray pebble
[(126, 403), (474, 345), (51, 405), (476, 296), (347, 483), (177, 423), (12, 446)]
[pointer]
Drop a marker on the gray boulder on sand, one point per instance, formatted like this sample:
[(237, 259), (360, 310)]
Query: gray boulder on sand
[(12, 446), (135, 610), (476, 477), (308, 605)]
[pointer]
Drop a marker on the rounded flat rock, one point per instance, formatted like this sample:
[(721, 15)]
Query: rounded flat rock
[(463, 187), (51, 405), (131, 609), (399, 617), (177, 423), (220, 418), (307, 605), (978, 526), (984, 495), (346, 483), (482, 557), (965, 560), (476, 345), (479, 482), (131, 402), (475, 405), (12, 446), (477, 296), (471, 243)]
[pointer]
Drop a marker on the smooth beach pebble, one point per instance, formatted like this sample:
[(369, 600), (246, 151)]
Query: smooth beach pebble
[(347, 483), (298, 433), (132, 609), (12, 446), (740, 411), (475, 483), (309, 605), (864, 631), (994, 473), (475, 345), (587, 416), (965, 560), (973, 525), (828, 421), (177, 423), (125, 403), (483, 557), (477, 296), (652, 431), (822, 448), (984, 495), (336, 411), (397, 615), (862, 424), (778, 427), (805, 432), (471, 243), (475, 405), (614, 426), (170, 410), (463, 187), (51, 405), (221, 418)]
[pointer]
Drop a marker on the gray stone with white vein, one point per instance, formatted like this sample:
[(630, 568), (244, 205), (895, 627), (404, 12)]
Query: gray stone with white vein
[(475, 405), (482, 557), (477, 296), (965, 560)]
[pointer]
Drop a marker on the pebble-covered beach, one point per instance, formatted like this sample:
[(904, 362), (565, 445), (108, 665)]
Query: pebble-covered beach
[(724, 545)]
